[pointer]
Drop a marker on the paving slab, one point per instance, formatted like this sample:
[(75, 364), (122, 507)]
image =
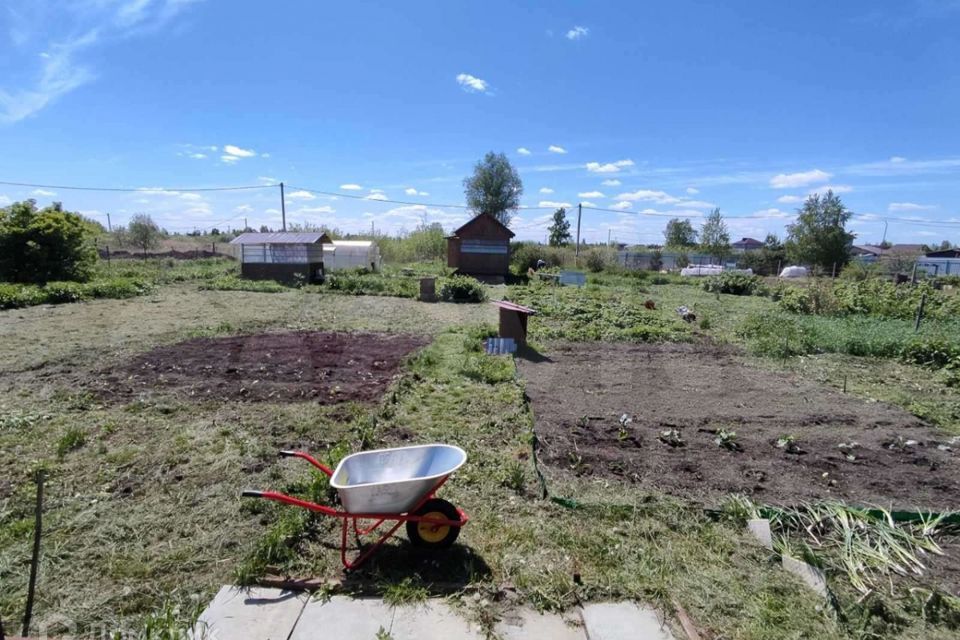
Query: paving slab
[(525, 624), (256, 613), (432, 620), (623, 621), (343, 618), (812, 576)]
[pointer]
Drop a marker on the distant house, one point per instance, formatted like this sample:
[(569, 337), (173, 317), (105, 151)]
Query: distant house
[(282, 256), (943, 253), (480, 248), (746, 244)]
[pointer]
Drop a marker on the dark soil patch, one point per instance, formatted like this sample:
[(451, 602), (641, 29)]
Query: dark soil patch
[(580, 394), (325, 367)]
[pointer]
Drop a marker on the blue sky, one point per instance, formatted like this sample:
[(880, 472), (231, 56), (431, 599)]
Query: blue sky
[(649, 109)]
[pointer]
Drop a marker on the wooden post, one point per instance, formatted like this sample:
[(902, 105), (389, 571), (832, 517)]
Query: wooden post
[(923, 299), (913, 277), (834, 269), (35, 560), (577, 254), (779, 265)]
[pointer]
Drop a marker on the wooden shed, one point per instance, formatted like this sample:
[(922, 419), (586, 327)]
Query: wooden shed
[(480, 248), (284, 257)]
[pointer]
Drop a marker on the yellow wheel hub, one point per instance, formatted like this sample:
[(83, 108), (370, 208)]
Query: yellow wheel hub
[(430, 532)]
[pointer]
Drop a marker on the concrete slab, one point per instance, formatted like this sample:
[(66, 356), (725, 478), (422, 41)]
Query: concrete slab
[(525, 624), (623, 621), (812, 576), (760, 528), (343, 618), (432, 620), (260, 613)]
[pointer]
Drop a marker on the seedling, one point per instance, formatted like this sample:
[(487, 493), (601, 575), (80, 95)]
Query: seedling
[(672, 437), (622, 433), (789, 444), (727, 440)]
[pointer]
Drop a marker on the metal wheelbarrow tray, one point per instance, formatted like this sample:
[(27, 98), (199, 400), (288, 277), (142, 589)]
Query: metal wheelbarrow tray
[(389, 485)]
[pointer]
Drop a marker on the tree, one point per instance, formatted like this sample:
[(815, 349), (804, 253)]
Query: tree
[(767, 260), (680, 234), (494, 188), (144, 232), (819, 236), (560, 229), (714, 237), (44, 245)]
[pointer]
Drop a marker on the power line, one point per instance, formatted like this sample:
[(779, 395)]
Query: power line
[(403, 202), (134, 190)]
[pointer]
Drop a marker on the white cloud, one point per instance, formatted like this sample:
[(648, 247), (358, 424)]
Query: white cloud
[(692, 191), (790, 199), (897, 159), (410, 191), (267, 180), (660, 197), (321, 209), (556, 149), (577, 32), (609, 167), (836, 188), (554, 205), (546, 190), (229, 159), (43, 193), (197, 156), (265, 155), (909, 206), (376, 190), (471, 84), (375, 196), (191, 197), (591, 194), (523, 151), (621, 206), (586, 203), (301, 195), (243, 208), (611, 182), (697, 204), (351, 187), (238, 152), (772, 213), (4, 200), (801, 179)]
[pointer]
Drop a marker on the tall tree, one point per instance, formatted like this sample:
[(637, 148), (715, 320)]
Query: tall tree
[(40, 245), (714, 237), (495, 187), (680, 234), (144, 232), (560, 229), (819, 236)]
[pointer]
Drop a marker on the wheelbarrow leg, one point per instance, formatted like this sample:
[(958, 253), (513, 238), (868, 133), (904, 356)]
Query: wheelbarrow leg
[(362, 557)]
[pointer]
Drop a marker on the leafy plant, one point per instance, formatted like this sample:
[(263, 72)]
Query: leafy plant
[(672, 437), (737, 284), (461, 289), (727, 440), (71, 440)]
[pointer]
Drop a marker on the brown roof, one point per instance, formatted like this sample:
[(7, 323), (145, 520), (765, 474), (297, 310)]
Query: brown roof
[(483, 218)]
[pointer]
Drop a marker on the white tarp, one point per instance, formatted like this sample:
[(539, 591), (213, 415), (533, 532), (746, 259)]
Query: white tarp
[(702, 270), (794, 272)]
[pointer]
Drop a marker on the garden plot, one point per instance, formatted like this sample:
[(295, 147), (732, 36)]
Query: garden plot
[(696, 421), (324, 367)]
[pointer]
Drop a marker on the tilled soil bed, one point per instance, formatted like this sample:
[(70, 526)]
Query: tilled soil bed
[(652, 414), (325, 367)]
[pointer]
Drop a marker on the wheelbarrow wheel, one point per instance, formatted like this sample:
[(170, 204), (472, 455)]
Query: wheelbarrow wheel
[(425, 534)]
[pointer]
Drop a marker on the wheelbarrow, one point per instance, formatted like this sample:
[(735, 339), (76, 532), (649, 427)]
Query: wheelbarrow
[(388, 486)]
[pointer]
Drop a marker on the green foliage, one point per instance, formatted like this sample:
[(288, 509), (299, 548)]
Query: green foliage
[(875, 297), (596, 313), (737, 284), (143, 232), (461, 289), (766, 260), (526, 255), (38, 246), (14, 296), (233, 283), (361, 282), (487, 368), (560, 229), (427, 242), (494, 188), (932, 352), (599, 258), (714, 237), (71, 440), (680, 234), (819, 236)]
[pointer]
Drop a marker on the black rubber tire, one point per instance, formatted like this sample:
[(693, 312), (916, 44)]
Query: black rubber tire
[(434, 505)]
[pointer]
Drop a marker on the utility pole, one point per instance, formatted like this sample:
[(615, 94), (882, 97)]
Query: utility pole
[(245, 225), (579, 212), (283, 207), (109, 226), (608, 235), (884, 241)]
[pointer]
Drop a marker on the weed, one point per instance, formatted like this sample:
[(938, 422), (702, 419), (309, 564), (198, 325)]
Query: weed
[(73, 439), (789, 444), (515, 478), (727, 440), (404, 592), (672, 437)]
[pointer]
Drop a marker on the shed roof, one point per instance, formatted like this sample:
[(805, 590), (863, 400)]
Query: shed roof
[(484, 218), (282, 237), (353, 243)]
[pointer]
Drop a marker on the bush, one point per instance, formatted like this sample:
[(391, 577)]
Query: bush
[(364, 283), (461, 289), (737, 284), (879, 298), (526, 255), (931, 352), (230, 283), (117, 288), (60, 292), (39, 246)]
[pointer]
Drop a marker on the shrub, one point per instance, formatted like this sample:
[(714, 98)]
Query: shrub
[(597, 259), (43, 245), (360, 282), (60, 292), (737, 284), (117, 288), (526, 255), (461, 289), (230, 283), (931, 352)]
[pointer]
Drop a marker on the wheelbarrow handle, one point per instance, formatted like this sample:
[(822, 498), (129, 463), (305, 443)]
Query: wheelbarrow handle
[(251, 493), (297, 502), (306, 456)]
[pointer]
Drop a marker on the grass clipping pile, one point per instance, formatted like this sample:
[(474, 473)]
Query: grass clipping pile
[(324, 367), (695, 421)]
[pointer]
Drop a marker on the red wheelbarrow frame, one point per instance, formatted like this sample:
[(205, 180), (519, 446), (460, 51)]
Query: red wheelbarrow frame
[(380, 518)]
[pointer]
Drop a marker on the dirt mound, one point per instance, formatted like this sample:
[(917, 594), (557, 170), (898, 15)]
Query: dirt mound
[(844, 448), (326, 367)]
